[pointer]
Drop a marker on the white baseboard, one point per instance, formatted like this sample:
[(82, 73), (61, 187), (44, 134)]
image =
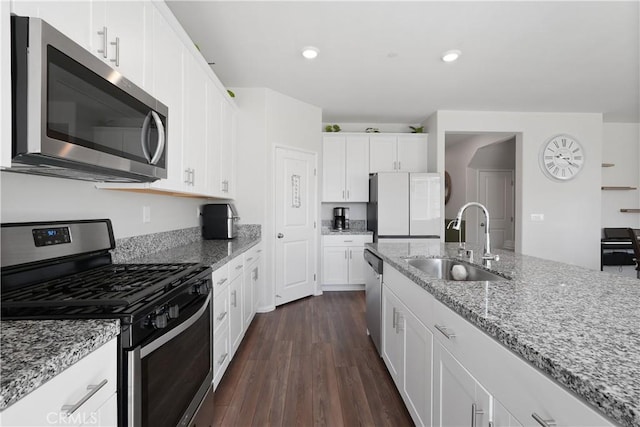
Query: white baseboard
[(330, 288)]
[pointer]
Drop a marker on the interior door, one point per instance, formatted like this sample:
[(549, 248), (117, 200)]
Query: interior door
[(295, 222), (495, 191)]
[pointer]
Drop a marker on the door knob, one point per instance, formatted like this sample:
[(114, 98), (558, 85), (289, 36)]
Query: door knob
[(280, 235), (482, 224)]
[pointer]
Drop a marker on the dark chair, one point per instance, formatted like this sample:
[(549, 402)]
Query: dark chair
[(634, 235)]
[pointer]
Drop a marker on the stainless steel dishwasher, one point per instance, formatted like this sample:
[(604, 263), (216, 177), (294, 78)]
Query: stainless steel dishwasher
[(373, 292)]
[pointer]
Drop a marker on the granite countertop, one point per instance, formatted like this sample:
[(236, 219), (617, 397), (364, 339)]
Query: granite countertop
[(356, 227), (214, 253), (579, 326), (34, 351)]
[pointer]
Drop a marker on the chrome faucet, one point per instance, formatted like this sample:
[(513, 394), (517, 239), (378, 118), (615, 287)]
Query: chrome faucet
[(487, 257)]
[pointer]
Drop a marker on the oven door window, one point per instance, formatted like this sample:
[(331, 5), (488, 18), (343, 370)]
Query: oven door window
[(173, 374), (86, 110)]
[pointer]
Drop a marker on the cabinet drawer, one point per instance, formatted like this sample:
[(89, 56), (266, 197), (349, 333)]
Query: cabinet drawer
[(44, 405), (220, 310), (235, 267), (253, 254), (221, 279), (348, 240)]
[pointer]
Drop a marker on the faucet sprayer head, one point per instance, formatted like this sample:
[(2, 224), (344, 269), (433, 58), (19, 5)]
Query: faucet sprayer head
[(453, 224)]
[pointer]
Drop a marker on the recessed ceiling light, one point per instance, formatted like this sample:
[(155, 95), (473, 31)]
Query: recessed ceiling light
[(310, 52), (451, 55)]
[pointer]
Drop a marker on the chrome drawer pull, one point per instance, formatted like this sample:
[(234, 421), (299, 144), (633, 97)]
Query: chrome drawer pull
[(474, 413), (394, 322), (445, 331), (221, 360), (249, 259), (93, 389), (221, 316), (542, 421), (238, 267), (221, 281)]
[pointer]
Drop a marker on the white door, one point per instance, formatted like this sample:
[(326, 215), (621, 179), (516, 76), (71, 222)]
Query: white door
[(295, 200), (357, 169), (495, 191)]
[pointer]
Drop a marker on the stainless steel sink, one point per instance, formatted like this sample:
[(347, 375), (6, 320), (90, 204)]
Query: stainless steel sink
[(441, 268)]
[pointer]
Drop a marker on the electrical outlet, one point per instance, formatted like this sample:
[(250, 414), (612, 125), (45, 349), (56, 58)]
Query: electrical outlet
[(537, 217), (146, 214)]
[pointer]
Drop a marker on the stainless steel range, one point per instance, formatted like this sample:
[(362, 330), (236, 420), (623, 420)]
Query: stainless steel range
[(63, 270)]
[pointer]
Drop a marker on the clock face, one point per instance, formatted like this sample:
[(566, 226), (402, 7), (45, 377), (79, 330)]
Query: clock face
[(562, 157)]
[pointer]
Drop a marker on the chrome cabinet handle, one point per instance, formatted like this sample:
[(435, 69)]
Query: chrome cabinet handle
[(235, 298), (445, 331), (221, 281), (394, 322), (239, 267), (348, 195), (544, 423), (93, 389), (221, 316), (117, 45), (474, 413), (193, 177), (105, 43), (343, 198), (399, 166), (249, 259), (221, 360)]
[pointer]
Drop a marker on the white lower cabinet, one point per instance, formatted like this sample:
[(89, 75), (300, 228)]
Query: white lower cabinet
[(343, 265), (60, 400), (439, 360), (459, 399), (235, 294), (407, 352)]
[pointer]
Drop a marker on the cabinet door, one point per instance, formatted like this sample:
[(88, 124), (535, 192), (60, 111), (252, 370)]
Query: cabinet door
[(418, 358), (214, 140), (168, 73), (333, 169), (382, 153), (357, 168), (247, 295), (335, 265), (502, 417), (228, 150), (236, 323), (195, 118), (257, 285), (72, 18), (392, 340), (457, 395), (106, 415), (221, 355), (412, 153), (357, 265)]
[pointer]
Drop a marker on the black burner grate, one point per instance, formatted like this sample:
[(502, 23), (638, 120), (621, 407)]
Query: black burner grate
[(112, 286)]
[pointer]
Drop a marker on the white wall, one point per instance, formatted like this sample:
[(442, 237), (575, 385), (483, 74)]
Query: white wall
[(37, 198), (621, 146), (570, 231), (268, 119), (356, 210)]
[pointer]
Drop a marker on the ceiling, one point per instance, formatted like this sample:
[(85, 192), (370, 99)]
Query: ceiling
[(379, 62)]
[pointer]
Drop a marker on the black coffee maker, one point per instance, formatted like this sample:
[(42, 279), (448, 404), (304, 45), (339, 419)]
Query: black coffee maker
[(340, 218)]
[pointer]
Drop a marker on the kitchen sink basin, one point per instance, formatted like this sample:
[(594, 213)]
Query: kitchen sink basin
[(441, 268)]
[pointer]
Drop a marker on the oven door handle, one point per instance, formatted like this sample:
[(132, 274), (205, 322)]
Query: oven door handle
[(155, 344)]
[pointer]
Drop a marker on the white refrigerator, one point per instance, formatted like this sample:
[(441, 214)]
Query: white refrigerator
[(404, 205)]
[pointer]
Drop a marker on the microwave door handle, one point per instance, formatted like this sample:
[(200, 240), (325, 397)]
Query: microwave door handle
[(144, 137), (160, 149)]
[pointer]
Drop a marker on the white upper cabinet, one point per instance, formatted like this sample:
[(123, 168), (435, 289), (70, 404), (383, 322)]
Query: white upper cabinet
[(345, 173), (214, 140), (398, 153), (119, 36), (227, 163)]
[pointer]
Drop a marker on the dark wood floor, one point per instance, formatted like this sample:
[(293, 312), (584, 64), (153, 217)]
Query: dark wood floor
[(309, 363)]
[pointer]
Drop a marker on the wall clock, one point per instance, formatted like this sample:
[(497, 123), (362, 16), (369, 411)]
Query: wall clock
[(561, 157)]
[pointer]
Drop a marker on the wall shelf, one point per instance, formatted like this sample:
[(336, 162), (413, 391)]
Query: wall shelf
[(630, 210), (608, 165), (618, 188)]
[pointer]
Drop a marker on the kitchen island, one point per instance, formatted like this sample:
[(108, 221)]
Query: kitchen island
[(579, 327)]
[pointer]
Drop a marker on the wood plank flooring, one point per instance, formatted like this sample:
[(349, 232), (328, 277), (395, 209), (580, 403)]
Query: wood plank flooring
[(309, 363)]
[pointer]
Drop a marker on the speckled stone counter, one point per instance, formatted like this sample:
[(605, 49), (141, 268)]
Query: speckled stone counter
[(355, 227), (581, 327), (215, 253), (34, 351)]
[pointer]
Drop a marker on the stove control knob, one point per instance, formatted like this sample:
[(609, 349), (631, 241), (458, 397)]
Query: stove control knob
[(174, 311), (201, 288), (160, 321)]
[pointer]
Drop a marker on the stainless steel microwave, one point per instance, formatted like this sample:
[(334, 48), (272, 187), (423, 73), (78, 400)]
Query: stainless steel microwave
[(74, 116)]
